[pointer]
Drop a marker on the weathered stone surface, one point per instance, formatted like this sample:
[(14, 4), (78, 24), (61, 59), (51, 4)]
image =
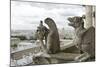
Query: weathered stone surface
[(42, 33), (61, 57), (88, 41), (53, 43), (84, 38)]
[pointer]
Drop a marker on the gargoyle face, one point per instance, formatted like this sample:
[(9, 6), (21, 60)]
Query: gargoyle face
[(75, 21), (40, 33)]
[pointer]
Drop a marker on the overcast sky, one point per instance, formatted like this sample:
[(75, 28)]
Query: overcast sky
[(27, 15)]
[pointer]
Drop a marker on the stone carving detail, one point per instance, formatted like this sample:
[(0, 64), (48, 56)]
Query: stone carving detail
[(42, 33), (53, 43), (84, 38)]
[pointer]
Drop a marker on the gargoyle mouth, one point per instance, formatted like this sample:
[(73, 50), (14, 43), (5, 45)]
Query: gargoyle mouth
[(71, 21), (70, 24)]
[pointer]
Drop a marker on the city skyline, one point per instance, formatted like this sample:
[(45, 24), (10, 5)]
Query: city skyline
[(27, 15)]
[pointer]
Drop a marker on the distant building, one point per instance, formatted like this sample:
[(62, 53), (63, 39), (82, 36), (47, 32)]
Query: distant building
[(65, 33)]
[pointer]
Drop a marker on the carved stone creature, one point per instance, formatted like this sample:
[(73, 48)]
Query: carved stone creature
[(84, 38), (53, 42), (42, 32)]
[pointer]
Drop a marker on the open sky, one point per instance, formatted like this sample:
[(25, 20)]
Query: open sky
[(27, 15)]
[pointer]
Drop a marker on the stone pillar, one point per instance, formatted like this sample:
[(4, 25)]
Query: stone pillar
[(94, 16), (89, 18)]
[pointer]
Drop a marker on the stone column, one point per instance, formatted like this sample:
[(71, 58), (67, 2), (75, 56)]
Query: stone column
[(89, 18), (94, 16)]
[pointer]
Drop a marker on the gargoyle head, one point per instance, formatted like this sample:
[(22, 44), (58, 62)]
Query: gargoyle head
[(76, 21)]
